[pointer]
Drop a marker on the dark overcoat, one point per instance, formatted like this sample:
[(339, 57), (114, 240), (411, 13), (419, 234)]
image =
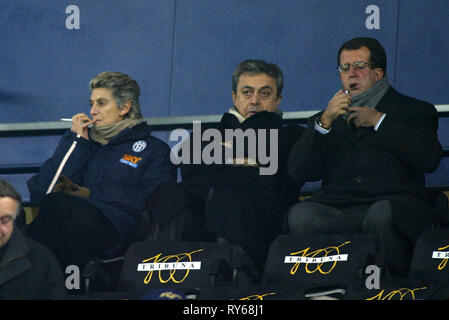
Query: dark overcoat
[(244, 206), (364, 165)]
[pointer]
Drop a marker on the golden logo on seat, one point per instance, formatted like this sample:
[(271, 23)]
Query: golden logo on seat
[(170, 295), (258, 296), (401, 293), (321, 260), (441, 255), (168, 266)]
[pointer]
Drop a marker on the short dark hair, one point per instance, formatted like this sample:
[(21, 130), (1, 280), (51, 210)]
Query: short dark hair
[(378, 57), (253, 66), (8, 191)]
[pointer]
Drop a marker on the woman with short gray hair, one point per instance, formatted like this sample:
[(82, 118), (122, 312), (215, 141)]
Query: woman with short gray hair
[(92, 190)]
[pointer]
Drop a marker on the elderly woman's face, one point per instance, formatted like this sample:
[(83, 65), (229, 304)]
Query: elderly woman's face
[(104, 109)]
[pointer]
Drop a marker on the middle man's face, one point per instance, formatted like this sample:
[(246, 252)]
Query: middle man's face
[(255, 93)]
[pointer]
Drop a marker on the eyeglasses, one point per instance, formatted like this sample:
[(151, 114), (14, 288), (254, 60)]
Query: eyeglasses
[(358, 66)]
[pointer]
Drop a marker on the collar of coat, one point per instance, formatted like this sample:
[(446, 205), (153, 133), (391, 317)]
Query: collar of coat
[(260, 120), (14, 261)]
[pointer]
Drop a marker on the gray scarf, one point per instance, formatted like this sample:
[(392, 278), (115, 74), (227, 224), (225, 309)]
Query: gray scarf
[(371, 97), (103, 134)]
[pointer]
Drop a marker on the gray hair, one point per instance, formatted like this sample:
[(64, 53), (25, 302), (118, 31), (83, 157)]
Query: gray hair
[(123, 89), (8, 191), (252, 66)]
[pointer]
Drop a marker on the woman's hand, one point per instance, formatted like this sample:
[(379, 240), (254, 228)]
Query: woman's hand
[(80, 124)]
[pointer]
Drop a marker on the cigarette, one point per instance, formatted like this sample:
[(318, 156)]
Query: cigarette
[(66, 119), (346, 91)]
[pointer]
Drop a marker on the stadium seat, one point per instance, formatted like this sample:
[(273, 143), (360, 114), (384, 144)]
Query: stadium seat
[(318, 264)]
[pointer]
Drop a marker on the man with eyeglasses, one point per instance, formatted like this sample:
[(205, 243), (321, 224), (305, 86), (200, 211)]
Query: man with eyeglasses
[(370, 147), (27, 269)]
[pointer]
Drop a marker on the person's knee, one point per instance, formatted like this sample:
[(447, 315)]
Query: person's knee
[(300, 219), (53, 200), (379, 215), (48, 199), (56, 206)]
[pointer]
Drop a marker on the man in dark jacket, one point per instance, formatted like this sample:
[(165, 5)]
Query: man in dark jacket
[(27, 269), (110, 164), (244, 183), (371, 147)]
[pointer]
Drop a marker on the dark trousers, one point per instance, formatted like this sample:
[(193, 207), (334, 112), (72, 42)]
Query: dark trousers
[(394, 248), (73, 229)]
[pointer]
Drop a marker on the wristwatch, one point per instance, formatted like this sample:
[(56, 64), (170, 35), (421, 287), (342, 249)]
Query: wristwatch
[(318, 122)]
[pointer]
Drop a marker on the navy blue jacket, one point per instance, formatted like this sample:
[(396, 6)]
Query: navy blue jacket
[(120, 175)]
